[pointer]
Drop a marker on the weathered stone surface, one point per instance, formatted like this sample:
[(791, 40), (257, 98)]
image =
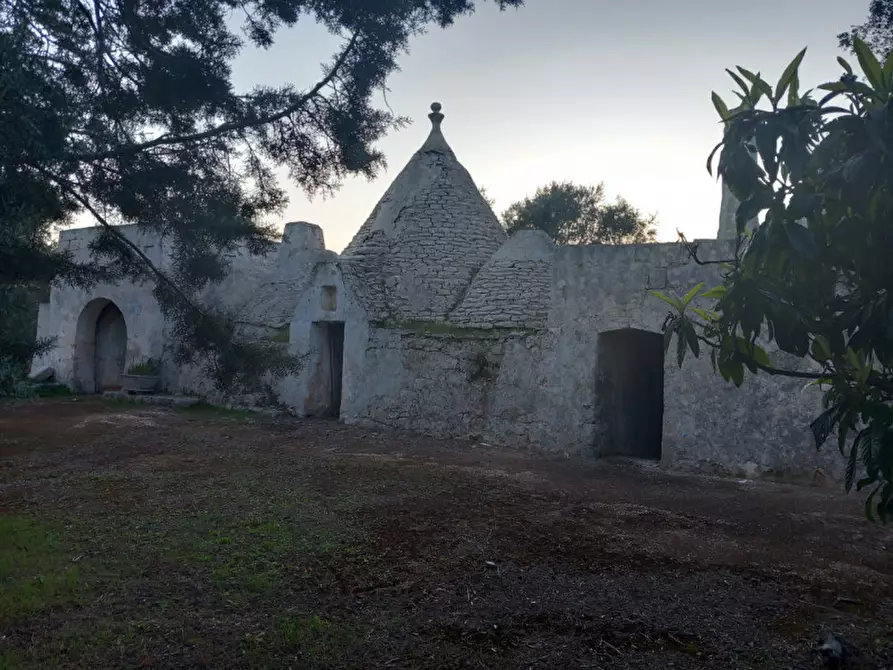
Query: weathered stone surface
[(43, 375), (449, 329), (514, 287), (273, 303), (427, 236)]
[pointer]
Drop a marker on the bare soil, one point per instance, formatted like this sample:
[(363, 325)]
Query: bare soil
[(133, 536)]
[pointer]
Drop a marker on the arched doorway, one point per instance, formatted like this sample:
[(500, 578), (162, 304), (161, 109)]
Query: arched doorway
[(630, 393), (100, 347)]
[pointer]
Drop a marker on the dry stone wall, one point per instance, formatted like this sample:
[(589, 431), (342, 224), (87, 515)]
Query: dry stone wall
[(513, 290), (440, 244), (540, 386)]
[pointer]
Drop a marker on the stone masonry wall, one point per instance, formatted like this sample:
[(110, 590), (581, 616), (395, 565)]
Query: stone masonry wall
[(443, 236), (539, 387), (513, 289), (708, 423), (147, 334), (59, 317), (435, 383)]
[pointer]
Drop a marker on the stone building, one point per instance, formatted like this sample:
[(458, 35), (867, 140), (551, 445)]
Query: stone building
[(432, 320)]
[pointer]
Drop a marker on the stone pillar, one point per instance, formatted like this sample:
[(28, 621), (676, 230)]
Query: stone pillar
[(303, 235)]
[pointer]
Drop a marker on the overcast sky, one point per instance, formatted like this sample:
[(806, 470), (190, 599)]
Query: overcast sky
[(581, 90)]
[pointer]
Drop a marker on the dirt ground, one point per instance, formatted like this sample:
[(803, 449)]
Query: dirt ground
[(139, 537)]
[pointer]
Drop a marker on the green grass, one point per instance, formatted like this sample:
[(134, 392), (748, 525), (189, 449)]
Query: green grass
[(310, 639), (211, 550), (36, 572), (52, 391)]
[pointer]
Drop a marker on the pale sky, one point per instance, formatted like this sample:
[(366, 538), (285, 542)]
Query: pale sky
[(584, 90), (580, 90)]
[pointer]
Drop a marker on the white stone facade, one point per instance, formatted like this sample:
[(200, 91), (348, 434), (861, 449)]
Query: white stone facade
[(431, 320)]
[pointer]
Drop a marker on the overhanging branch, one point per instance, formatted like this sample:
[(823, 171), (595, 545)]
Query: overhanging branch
[(166, 140)]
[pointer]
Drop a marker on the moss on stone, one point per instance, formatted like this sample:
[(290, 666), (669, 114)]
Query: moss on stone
[(448, 329), (281, 334)]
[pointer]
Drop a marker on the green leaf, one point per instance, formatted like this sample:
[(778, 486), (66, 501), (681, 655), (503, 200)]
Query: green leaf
[(820, 349), (736, 373), (767, 145), (710, 157), (888, 68), (670, 300), (852, 461), (821, 381), (843, 431), (794, 90), (870, 65), (668, 335), (705, 314), (872, 447), (864, 373), (865, 481), (803, 205), (692, 338), (738, 80), (749, 209), (884, 504), (759, 85), (801, 240), (788, 76), (869, 507), (715, 292), (680, 345), (688, 297), (760, 356), (720, 106), (834, 86), (845, 65), (823, 425)]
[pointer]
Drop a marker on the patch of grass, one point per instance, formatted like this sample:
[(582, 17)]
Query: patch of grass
[(10, 659), (313, 639), (35, 571), (52, 391), (254, 540), (252, 559)]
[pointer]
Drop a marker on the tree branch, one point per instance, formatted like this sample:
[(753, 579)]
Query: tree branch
[(692, 249), (68, 188), (768, 369), (164, 140)]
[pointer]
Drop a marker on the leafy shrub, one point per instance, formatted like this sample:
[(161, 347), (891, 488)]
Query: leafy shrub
[(815, 275)]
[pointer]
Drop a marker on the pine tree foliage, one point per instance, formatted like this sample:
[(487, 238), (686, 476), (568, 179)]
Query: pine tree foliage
[(125, 111)]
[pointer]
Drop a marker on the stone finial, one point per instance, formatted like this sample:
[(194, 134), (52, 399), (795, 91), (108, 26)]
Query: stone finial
[(435, 115), (436, 142)]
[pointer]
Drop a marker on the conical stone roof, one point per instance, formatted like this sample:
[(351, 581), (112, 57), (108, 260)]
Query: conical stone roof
[(427, 236)]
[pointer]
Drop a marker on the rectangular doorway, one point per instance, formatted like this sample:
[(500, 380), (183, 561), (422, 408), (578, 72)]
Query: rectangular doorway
[(335, 338), (324, 399), (629, 393)]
